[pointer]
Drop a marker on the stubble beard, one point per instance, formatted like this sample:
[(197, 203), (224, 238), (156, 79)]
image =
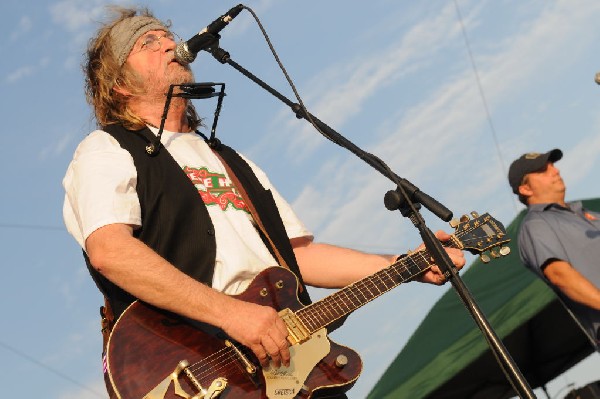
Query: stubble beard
[(157, 86)]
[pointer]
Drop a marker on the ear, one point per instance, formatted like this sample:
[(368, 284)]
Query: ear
[(120, 88), (525, 190)]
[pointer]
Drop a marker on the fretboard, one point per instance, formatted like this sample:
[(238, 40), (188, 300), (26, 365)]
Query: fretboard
[(343, 302)]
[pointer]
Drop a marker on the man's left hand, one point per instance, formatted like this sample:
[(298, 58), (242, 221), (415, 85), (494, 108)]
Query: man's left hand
[(434, 275)]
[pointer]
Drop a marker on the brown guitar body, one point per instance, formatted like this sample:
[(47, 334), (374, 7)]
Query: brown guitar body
[(146, 345)]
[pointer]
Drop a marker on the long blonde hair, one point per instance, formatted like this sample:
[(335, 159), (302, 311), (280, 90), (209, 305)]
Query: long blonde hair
[(103, 72)]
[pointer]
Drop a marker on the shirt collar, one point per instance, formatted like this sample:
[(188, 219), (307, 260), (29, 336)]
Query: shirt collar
[(573, 206)]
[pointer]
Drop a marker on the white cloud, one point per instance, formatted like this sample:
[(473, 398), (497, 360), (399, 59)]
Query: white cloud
[(579, 160), (84, 339), (26, 71), (342, 89), (20, 73), (76, 15), (57, 147), (260, 7), (70, 289), (438, 139), (24, 26)]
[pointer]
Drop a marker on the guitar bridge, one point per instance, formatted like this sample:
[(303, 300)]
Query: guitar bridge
[(248, 366), (298, 332), (214, 390)]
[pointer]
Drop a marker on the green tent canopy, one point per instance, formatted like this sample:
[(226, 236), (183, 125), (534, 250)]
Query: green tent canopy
[(447, 357)]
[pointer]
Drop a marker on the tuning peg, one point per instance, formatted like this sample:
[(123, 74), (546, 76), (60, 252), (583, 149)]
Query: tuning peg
[(494, 253), (484, 258), (504, 250), (474, 214), (454, 223), (464, 218)]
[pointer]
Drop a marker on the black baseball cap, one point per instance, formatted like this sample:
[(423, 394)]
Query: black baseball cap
[(528, 163)]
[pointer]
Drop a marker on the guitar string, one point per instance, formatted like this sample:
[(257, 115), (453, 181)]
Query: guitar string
[(208, 369), (224, 356), (213, 358)]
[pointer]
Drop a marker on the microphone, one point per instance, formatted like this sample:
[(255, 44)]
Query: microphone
[(186, 52)]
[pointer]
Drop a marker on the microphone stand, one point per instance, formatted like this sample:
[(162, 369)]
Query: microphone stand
[(407, 198)]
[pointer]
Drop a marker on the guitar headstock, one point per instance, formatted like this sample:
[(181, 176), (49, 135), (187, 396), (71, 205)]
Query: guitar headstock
[(480, 234)]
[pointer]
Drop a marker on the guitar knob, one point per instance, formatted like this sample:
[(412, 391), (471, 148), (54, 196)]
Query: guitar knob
[(504, 250), (484, 258), (454, 223), (474, 214), (464, 218), (341, 361)]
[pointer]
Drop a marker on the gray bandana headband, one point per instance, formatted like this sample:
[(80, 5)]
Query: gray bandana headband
[(125, 33)]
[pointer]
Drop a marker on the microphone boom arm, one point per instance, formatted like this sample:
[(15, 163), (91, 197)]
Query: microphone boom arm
[(416, 195)]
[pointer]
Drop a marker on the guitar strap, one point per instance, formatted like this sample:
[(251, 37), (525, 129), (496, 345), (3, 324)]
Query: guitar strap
[(252, 209), (247, 199), (107, 321)]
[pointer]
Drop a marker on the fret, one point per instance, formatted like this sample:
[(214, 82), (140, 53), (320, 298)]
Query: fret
[(365, 288)]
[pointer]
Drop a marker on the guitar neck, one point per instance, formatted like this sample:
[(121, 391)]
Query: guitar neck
[(343, 302)]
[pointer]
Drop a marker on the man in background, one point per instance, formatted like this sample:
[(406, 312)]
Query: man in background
[(559, 241)]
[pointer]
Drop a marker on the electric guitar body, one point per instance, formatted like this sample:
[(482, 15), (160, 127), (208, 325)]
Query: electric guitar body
[(147, 345)]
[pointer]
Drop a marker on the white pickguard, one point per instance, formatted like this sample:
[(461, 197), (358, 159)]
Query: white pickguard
[(286, 382)]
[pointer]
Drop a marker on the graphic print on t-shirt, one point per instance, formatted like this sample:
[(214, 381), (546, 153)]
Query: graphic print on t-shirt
[(215, 189)]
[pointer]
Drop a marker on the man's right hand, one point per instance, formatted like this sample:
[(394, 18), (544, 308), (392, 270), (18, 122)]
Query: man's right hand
[(261, 329), (137, 269)]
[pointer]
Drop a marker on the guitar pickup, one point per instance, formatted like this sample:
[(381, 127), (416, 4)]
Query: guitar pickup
[(298, 332)]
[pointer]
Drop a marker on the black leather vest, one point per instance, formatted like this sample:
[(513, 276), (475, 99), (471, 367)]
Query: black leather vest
[(175, 221)]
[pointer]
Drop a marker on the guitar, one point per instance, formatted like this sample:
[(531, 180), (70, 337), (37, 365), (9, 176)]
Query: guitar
[(154, 354)]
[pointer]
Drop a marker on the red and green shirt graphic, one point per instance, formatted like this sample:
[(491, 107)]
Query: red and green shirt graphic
[(215, 189)]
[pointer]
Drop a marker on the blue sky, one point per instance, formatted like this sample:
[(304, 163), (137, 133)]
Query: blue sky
[(395, 77)]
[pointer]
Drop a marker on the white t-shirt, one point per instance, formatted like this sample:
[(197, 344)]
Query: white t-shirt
[(100, 189)]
